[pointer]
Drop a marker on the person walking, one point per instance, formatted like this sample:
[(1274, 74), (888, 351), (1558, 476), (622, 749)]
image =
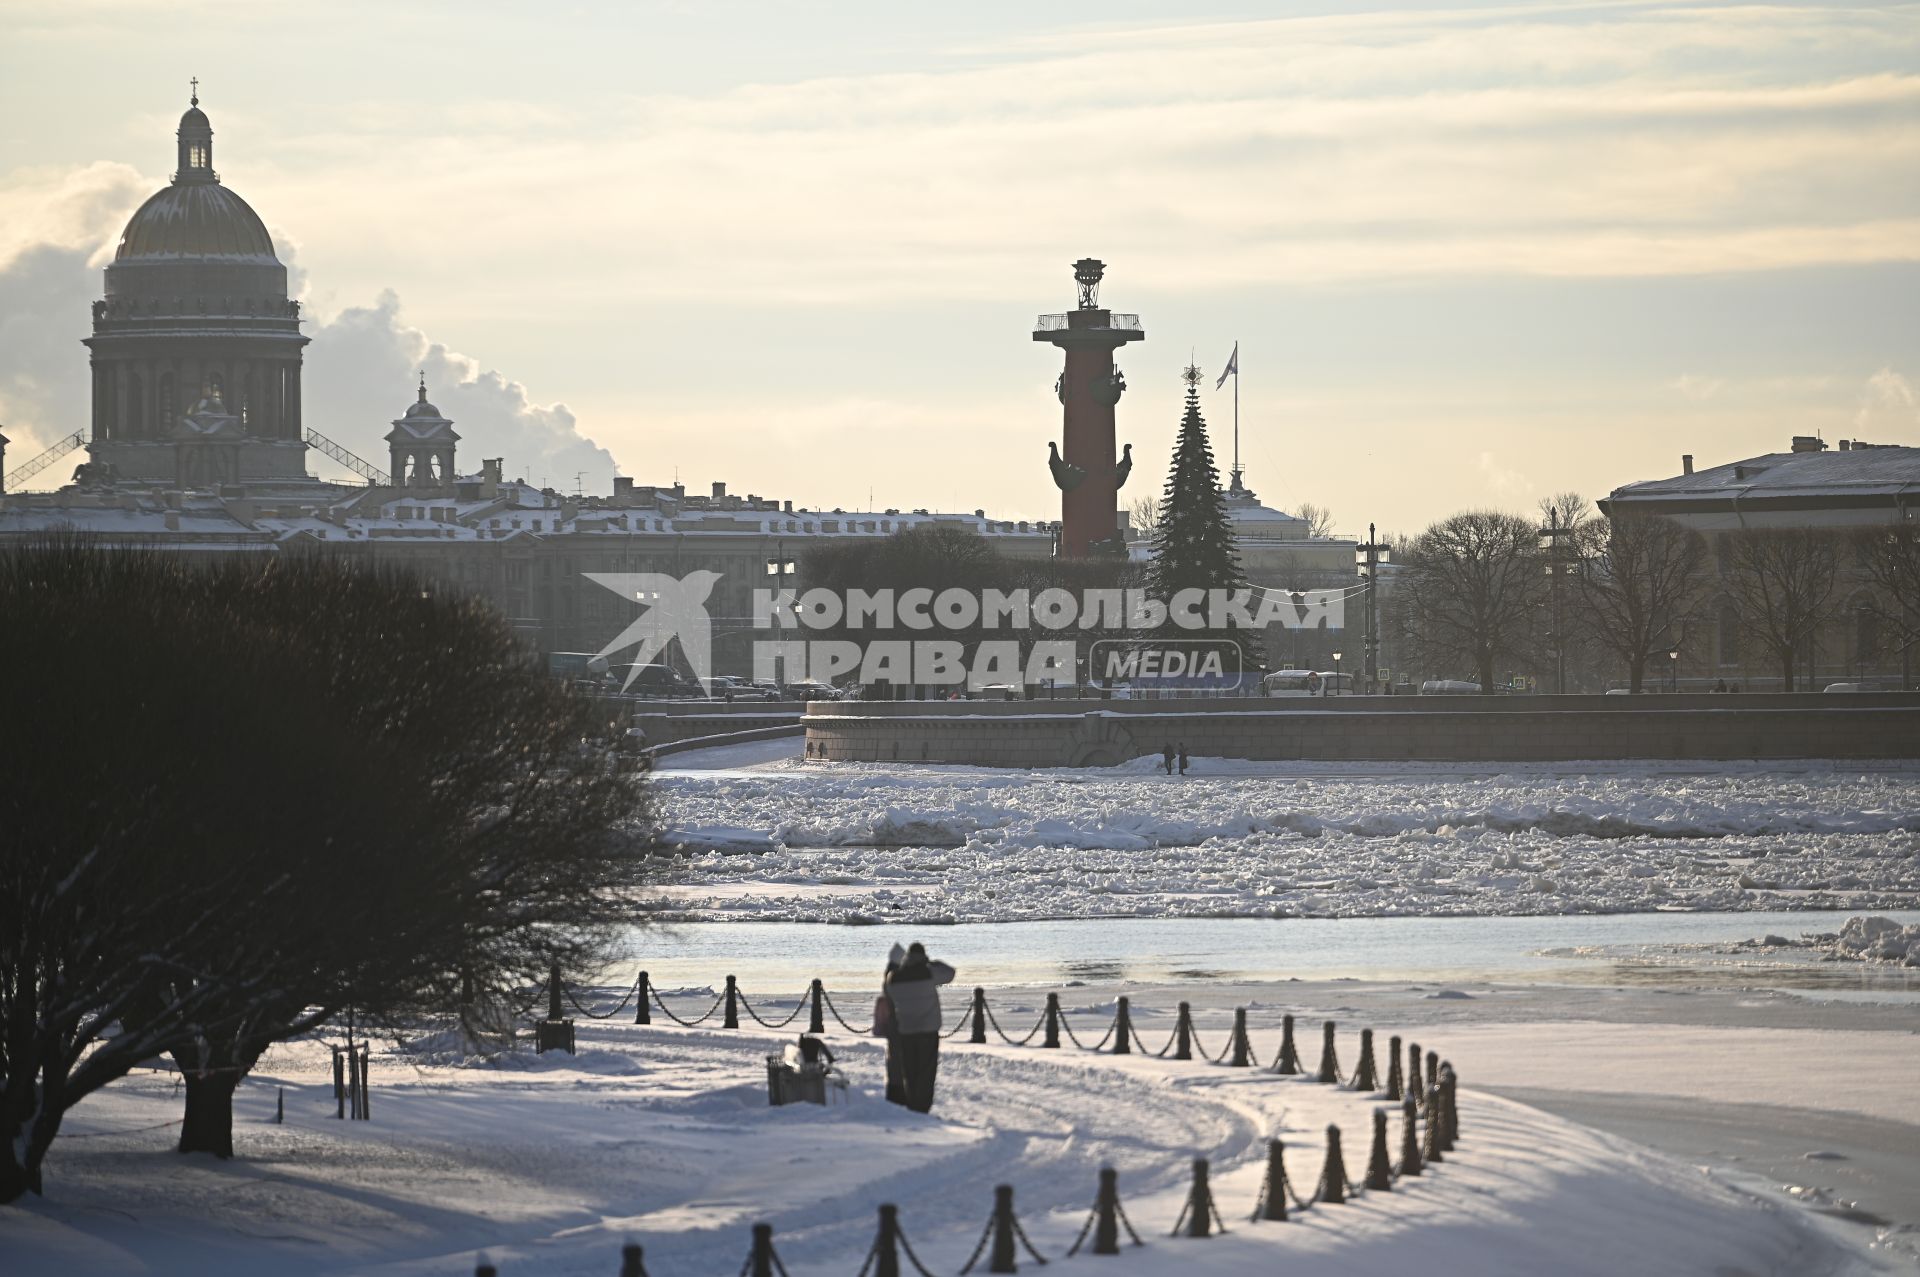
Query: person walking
[(1166, 756), (886, 1028), (1183, 758), (913, 987)]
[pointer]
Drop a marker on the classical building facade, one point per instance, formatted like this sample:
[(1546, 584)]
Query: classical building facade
[(196, 346)]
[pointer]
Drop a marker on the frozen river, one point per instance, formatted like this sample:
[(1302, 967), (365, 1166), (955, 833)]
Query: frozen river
[(766, 838)]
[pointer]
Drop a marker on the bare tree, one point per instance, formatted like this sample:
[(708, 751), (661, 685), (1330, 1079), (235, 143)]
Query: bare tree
[(1319, 519), (1781, 584), (1144, 512), (1469, 592), (1566, 510), (1638, 578), (284, 787), (1891, 557)]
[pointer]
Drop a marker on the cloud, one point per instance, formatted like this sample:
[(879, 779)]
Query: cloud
[(1889, 405), (1502, 480), (360, 367), (1697, 388), (361, 373)]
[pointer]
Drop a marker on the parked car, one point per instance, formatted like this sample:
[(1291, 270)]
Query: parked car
[(653, 680), (1449, 687)]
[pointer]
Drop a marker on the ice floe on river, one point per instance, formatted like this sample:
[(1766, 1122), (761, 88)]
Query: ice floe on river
[(851, 843)]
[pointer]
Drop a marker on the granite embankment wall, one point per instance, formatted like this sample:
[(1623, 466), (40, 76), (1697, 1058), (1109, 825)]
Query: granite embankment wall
[(1087, 733)]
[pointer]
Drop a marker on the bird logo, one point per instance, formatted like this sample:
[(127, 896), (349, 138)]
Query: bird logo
[(676, 609)]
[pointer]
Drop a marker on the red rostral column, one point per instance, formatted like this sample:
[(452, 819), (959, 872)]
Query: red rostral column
[(1089, 387)]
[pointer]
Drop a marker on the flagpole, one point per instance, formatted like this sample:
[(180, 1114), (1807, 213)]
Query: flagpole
[(1236, 414)]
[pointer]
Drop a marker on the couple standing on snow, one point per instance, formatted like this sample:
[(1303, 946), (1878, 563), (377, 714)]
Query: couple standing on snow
[(907, 1015)]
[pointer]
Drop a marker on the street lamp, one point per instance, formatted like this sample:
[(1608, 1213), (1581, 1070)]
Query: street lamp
[(1369, 557), (1673, 671), (1336, 674), (1559, 557)]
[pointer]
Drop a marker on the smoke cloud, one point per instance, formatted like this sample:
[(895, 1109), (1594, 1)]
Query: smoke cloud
[(361, 367)]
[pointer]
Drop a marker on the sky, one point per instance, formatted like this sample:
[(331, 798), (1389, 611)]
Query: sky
[(1472, 254)]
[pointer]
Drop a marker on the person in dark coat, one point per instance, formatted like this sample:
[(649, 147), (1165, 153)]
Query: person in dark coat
[(913, 987), (1183, 758), (888, 1029), (1166, 756)]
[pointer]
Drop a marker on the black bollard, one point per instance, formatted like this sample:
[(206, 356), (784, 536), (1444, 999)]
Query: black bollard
[(280, 1108), (817, 1012), (1452, 1108), (631, 1262), (1183, 1034), (1273, 1196), (1289, 1061), (484, 1269), (1196, 1220), (1329, 1062), (1333, 1175), (979, 1035), (643, 998), (339, 1084), (553, 994), (1379, 1166), (1395, 1087), (1433, 1067), (1106, 1214), (1242, 1049), (555, 1033), (1052, 1038), (1417, 1091), (1430, 1150), (1365, 1076), (1409, 1137), (366, 1084), (732, 1020), (1001, 1259), (1446, 1109), (760, 1263), (886, 1246), (1122, 1027)]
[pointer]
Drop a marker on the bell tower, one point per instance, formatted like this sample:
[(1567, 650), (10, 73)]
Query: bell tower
[(1084, 467), (421, 446)]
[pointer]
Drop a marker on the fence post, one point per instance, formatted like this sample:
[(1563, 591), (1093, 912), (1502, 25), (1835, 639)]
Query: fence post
[(643, 1013), (1106, 1208), (1453, 1108), (1198, 1216), (1273, 1198), (555, 1033), (1379, 1166), (366, 1085), (1329, 1062), (760, 1261), (886, 1246), (280, 1108), (553, 993), (1431, 1151), (1447, 1132), (485, 1269), (1433, 1067), (817, 1013), (1001, 1259), (979, 1035), (732, 1020), (631, 1261), (1365, 1077), (1413, 1071), (1052, 1038), (339, 1085), (1242, 1050), (1289, 1061), (1122, 1027), (1333, 1175), (1409, 1137), (1183, 1034), (1395, 1088)]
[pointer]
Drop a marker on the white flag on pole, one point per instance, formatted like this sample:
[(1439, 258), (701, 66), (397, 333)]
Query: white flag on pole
[(1232, 369)]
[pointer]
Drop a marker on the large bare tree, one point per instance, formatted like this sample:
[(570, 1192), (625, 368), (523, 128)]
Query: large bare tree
[(1639, 578), (1319, 519), (1781, 582), (1891, 557), (1469, 593)]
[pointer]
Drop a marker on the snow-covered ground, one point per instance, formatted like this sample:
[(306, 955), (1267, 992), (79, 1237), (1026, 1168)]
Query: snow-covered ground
[(847, 842), (662, 1136)]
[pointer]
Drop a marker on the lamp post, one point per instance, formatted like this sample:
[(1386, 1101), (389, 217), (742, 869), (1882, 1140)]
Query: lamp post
[(1369, 557), (1552, 540), (1336, 674), (1673, 671)]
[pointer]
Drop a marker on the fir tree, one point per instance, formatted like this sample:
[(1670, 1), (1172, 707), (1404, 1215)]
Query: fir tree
[(1193, 541)]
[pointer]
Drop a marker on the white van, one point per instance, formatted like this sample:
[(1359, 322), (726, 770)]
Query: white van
[(1291, 683)]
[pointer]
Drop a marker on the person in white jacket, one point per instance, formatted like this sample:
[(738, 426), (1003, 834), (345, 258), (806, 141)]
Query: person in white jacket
[(913, 988)]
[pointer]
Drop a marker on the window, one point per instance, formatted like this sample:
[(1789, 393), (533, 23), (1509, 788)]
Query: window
[(196, 155)]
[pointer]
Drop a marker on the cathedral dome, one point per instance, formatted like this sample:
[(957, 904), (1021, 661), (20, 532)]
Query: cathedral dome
[(196, 219)]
